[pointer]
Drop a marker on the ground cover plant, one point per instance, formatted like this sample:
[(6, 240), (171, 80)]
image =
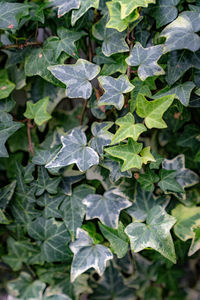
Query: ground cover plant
[(100, 149)]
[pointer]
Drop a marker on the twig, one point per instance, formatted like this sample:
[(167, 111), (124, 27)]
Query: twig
[(130, 40), (21, 46), (30, 144), (83, 111)]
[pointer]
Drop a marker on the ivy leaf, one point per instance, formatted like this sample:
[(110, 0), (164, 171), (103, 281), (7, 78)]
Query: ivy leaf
[(114, 90), (154, 234), (53, 236), (128, 128), (189, 137), (115, 169), (3, 219), (117, 238), (115, 21), (6, 194), (70, 178), (168, 181), (11, 13), (50, 205), (164, 11), (179, 62), (83, 247), (102, 137), (7, 128), (107, 207), (45, 182), (113, 41), (146, 155), (186, 217), (128, 6), (195, 245), (148, 179), (74, 150), (73, 210), (184, 177), (38, 111), (181, 33), (65, 6), (158, 160), (76, 77), (39, 59), (67, 41), (6, 86), (182, 92), (146, 59), (112, 284), (85, 5), (143, 202), (43, 156), (153, 111), (128, 153)]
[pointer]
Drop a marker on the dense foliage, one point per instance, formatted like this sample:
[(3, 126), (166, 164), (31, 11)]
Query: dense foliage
[(100, 149)]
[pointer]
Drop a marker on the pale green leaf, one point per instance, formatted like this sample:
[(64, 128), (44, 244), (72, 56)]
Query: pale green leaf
[(153, 111), (146, 155), (76, 77), (65, 6), (87, 255), (6, 86), (85, 5), (128, 129), (38, 111), (181, 33), (114, 90), (154, 234), (186, 218), (146, 59), (128, 6), (74, 150), (129, 153), (11, 13)]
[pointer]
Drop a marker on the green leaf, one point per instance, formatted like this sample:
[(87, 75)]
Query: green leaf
[(195, 245), (179, 62), (53, 236), (113, 40), (158, 160), (45, 182), (114, 90), (184, 177), (154, 234), (11, 13), (85, 5), (129, 153), (164, 11), (83, 247), (115, 21), (102, 137), (146, 59), (70, 178), (74, 150), (189, 137), (182, 92), (64, 7), (76, 77), (181, 33), (67, 41), (147, 180), (6, 194), (38, 111), (3, 218), (146, 155), (143, 202), (113, 284), (186, 218), (50, 205), (115, 169), (106, 208), (7, 128), (39, 59), (128, 128), (117, 239), (6, 86), (153, 111), (168, 181), (73, 210), (128, 6)]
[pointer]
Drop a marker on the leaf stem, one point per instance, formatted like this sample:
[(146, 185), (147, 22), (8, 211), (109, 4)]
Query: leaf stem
[(21, 46), (30, 144)]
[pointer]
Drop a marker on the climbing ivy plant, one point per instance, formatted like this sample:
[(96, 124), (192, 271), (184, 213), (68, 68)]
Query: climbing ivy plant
[(100, 149)]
